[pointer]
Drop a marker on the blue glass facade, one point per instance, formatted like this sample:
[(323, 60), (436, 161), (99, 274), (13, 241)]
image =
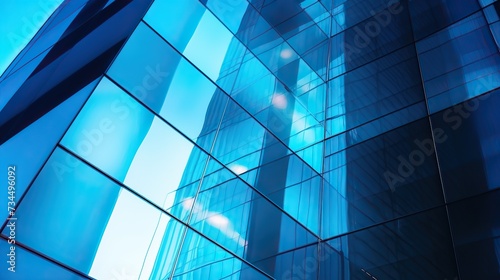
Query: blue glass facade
[(255, 139)]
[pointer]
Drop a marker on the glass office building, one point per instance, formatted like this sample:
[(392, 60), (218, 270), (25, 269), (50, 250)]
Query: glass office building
[(254, 139)]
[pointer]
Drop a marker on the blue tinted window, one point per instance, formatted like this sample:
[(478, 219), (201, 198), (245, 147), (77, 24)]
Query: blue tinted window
[(418, 246), (31, 147), (87, 222), (388, 176), (369, 40), (429, 16), (193, 31), (231, 212), (202, 259), (123, 139), (468, 150), (297, 264), (459, 62), (167, 83), (475, 228), (31, 266), (374, 90)]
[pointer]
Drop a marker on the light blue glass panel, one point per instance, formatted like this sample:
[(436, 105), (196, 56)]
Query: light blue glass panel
[(30, 266), (192, 30), (176, 21), (313, 155), (88, 222), (126, 141), (146, 66), (231, 12), (31, 147), (168, 84), (109, 129)]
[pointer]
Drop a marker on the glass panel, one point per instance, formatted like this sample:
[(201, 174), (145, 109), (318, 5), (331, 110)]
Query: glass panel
[(369, 39), (415, 247), (459, 62), (374, 90), (346, 14), (122, 138), (468, 149), (374, 128), (297, 264), (168, 84), (476, 232), (292, 185), (31, 147), (107, 231), (429, 16), (386, 177), (27, 265), (202, 259), (233, 214), (192, 30)]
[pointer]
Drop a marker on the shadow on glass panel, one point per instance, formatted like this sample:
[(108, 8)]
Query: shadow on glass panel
[(468, 151), (379, 182), (459, 62), (369, 39), (415, 247), (476, 233), (299, 264), (429, 16)]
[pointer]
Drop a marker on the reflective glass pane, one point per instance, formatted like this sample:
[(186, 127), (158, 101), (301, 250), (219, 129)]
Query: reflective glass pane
[(27, 265), (88, 222), (459, 62), (233, 214), (476, 231), (122, 138), (468, 149), (429, 16), (415, 247), (202, 259), (193, 31), (386, 177), (30, 148)]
